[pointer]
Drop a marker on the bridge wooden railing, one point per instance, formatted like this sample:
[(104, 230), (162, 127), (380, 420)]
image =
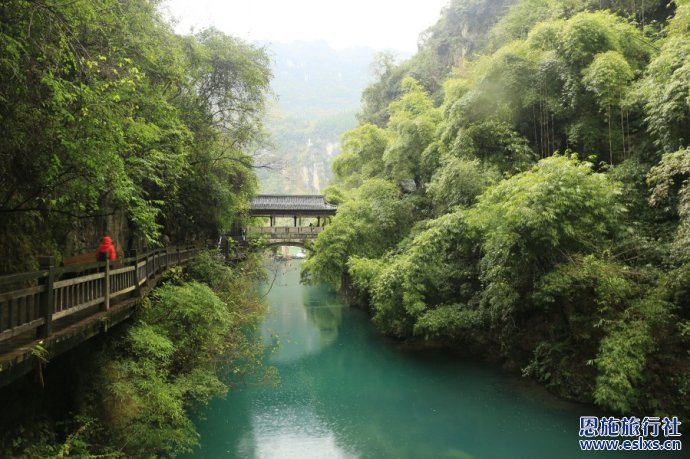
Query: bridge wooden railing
[(34, 300), (286, 231)]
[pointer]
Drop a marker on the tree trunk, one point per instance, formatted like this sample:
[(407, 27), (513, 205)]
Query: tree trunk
[(610, 142)]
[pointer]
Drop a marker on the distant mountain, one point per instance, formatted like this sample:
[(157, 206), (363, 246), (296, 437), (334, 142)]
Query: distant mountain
[(312, 77), (318, 92)]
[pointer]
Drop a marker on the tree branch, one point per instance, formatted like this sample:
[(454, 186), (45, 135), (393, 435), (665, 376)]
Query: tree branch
[(55, 211)]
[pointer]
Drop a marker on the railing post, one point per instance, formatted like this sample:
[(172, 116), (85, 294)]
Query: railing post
[(47, 301), (146, 267), (137, 287), (106, 282)]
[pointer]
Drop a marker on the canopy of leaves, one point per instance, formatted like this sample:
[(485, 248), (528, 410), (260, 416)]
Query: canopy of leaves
[(437, 269), (367, 225), (110, 120), (361, 157), (533, 220), (665, 90), (556, 264), (669, 181)]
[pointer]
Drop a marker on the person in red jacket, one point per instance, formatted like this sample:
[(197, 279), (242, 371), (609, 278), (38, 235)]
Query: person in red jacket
[(106, 250)]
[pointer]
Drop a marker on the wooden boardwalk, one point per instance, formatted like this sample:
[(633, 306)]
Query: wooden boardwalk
[(46, 313)]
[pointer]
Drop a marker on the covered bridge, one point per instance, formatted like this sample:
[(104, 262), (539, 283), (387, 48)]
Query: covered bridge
[(298, 207)]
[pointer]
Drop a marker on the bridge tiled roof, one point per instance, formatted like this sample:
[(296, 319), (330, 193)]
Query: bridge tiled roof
[(291, 203)]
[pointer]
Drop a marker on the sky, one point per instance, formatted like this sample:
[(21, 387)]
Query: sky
[(378, 24)]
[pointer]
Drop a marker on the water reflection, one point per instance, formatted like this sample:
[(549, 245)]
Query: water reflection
[(325, 317), (290, 432), (299, 322), (346, 391)]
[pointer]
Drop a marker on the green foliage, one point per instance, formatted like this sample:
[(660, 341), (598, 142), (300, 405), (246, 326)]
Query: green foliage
[(197, 320), (145, 411), (560, 266), (608, 76), (532, 220), (597, 300), (374, 220), (40, 440), (458, 182), (412, 125), (669, 182), (361, 157), (456, 321), (621, 363), (108, 116), (233, 286), (148, 343), (166, 364), (189, 343), (586, 35), (437, 266), (523, 16), (334, 195), (495, 144), (665, 88), (208, 269), (531, 91)]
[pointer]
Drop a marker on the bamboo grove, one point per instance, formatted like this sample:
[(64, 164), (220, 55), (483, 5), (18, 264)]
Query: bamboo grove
[(518, 190)]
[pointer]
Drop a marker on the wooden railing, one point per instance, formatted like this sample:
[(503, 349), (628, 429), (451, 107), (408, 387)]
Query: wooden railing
[(286, 231), (35, 300)]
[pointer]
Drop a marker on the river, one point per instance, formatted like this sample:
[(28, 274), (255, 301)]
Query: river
[(346, 391)]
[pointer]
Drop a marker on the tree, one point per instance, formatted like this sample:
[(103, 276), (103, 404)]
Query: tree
[(373, 221), (664, 178), (412, 125), (362, 155), (533, 220), (430, 285), (665, 88), (559, 267), (458, 182), (109, 117), (609, 76)]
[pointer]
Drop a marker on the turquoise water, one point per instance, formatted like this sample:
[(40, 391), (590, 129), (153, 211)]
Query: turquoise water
[(345, 392)]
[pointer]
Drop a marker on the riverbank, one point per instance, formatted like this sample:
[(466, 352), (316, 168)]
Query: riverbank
[(134, 394)]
